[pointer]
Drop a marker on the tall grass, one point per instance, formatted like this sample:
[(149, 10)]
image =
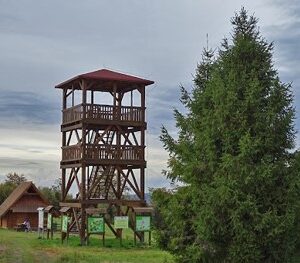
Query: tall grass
[(26, 247)]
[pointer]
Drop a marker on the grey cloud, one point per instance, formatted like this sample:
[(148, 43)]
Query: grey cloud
[(28, 107), (287, 38), (40, 171), (161, 104)]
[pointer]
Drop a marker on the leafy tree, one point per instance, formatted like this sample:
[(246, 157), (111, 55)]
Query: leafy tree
[(15, 178), (11, 182), (240, 196), (52, 193), (5, 190)]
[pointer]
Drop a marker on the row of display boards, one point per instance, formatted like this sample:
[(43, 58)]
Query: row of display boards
[(96, 222)]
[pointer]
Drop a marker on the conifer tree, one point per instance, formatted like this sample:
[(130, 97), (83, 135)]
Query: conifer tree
[(233, 155)]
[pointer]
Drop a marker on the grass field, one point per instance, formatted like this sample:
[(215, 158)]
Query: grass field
[(26, 247)]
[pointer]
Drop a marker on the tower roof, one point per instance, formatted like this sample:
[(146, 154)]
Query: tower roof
[(105, 76)]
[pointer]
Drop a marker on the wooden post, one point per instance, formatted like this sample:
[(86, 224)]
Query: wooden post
[(134, 227), (142, 182), (83, 213), (83, 171), (62, 233), (88, 239), (72, 96), (63, 178)]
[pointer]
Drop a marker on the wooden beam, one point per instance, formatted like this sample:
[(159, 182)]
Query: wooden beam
[(111, 228), (71, 127), (76, 219), (70, 165), (114, 201), (70, 204)]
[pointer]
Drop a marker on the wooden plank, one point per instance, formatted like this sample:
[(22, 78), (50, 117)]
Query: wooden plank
[(111, 228), (65, 128), (70, 165), (64, 209), (93, 211), (115, 201), (76, 219), (70, 204), (143, 209)]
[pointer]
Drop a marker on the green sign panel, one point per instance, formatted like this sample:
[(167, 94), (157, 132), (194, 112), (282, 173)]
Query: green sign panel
[(64, 224), (142, 223), (49, 221), (121, 222), (96, 225)]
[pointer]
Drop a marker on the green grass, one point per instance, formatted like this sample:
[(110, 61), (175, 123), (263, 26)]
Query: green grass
[(23, 247), (26, 247)]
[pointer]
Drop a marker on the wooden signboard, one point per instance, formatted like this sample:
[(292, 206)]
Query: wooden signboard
[(49, 222), (121, 222), (64, 224), (96, 225), (142, 223)]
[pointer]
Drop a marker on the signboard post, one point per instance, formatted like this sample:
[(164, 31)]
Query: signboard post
[(143, 224), (49, 221), (41, 221), (96, 225), (121, 222), (49, 225), (64, 228), (64, 224)]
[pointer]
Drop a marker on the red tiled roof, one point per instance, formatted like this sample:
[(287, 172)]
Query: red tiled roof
[(107, 75)]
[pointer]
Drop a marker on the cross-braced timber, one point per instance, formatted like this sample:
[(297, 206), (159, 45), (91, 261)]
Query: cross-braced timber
[(103, 146)]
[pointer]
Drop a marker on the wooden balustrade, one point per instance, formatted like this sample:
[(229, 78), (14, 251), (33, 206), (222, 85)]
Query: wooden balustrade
[(102, 112), (73, 114), (103, 152), (71, 153)]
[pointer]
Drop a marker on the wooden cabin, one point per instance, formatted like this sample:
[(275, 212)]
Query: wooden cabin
[(20, 204)]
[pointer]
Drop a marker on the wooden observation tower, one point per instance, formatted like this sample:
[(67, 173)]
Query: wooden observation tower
[(103, 144)]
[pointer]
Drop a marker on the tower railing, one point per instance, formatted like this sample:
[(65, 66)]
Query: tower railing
[(102, 112), (102, 152)]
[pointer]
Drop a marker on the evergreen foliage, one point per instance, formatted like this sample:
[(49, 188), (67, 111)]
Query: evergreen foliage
[(233, 155)]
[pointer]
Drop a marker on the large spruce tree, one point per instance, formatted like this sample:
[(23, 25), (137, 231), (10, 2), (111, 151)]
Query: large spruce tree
[(233, 156)]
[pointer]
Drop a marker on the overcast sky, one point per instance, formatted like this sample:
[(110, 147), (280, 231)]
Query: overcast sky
[(43, 43)]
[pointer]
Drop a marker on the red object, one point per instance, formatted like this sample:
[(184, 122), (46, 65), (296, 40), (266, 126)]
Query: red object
[(106, 75)]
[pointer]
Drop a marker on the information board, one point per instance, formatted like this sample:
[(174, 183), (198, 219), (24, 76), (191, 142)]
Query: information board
[(64, 224), (96, 225), (49, 221), (121, 222), (142, 223), (41, 217)]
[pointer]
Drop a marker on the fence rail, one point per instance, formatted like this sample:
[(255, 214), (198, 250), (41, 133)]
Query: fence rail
[(102, 112), (103, 152)]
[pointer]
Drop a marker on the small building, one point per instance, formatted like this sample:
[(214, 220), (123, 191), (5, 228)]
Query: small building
[(22, 203)]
